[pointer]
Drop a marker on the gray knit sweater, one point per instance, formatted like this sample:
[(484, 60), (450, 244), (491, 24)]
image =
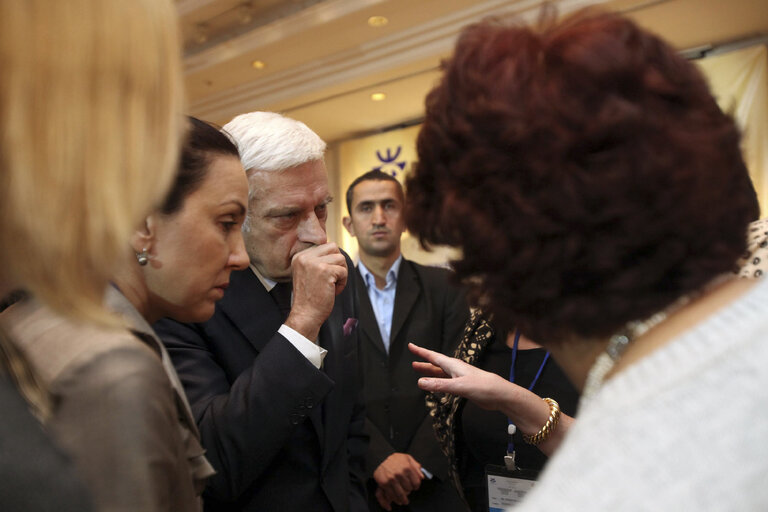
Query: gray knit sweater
[(685, 428)]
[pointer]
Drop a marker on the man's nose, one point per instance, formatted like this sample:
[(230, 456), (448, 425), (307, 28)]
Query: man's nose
[(378, 217), (311, 230)]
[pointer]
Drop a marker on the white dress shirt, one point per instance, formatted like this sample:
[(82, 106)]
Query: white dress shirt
[(382, 300)]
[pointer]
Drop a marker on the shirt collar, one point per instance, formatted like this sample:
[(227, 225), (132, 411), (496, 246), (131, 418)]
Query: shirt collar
[(265, 281), (392, 273)]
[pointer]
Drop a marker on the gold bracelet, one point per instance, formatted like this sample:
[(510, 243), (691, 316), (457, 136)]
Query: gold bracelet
[(549, 426)]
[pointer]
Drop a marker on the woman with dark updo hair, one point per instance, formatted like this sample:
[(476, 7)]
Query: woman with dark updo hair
[(601, 201)]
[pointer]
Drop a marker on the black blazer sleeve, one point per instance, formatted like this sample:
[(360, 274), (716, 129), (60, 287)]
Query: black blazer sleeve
[(244, 424)]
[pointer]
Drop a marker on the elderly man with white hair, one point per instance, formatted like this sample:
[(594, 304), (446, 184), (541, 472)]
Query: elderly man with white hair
[(272, 377)]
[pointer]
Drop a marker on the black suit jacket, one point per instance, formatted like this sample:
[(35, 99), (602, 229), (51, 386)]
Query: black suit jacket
[(429, 311), (281, 434)]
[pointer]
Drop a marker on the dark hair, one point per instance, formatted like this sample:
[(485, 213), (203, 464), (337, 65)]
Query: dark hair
[(374, 175), (202, 141), (585, 170)]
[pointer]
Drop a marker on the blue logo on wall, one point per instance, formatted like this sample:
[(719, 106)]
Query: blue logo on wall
[(389, 163)]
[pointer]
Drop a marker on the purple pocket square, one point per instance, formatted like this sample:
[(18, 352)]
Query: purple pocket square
[(350, 324)]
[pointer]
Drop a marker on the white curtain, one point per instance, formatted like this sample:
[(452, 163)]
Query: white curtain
[(739, 80)]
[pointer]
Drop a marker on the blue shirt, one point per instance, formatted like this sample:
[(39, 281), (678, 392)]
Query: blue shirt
[(382, 300)]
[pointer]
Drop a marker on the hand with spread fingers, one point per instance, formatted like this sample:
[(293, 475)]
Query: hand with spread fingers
[(450, 375)]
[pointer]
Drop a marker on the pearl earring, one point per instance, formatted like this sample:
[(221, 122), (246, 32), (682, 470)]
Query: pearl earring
[(142, 257)]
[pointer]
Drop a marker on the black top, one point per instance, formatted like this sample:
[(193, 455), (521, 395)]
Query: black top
[(482, 435)]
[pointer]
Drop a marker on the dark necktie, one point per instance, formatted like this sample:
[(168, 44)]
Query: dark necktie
[(281, 292)]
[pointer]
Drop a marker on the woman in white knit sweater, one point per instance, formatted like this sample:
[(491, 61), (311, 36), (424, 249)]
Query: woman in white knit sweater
[(600, 200)]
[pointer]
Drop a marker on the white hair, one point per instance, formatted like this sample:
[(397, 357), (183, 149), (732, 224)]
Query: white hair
[(271, 142), (268, 141)]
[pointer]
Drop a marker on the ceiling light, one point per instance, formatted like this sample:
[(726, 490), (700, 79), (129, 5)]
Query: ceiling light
[(201, 33), (258, 64), (377, 21), (245, 13), (378, 96)]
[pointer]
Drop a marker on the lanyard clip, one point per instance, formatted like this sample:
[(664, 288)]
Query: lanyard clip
[(509, 461), (509, 458)]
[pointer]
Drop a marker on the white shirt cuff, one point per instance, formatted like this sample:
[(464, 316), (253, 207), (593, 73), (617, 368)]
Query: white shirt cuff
[(315, 353)]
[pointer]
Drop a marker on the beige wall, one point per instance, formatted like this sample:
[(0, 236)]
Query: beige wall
[(739, 80)]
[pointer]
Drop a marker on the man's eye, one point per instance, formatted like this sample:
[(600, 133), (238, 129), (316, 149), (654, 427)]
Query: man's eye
[(285, 221)]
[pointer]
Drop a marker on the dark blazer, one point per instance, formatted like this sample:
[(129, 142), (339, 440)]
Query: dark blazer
[(282, 435), (429, 311)]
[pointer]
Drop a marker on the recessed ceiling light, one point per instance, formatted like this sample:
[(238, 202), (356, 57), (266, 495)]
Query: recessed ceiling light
[(200, 33), (258, 64), (245, 13), (377, 21), (378, 96)]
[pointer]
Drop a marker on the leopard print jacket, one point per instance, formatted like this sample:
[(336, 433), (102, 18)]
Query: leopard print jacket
[(444, 407)]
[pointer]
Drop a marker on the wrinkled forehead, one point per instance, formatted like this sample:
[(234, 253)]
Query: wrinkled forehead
[(305, 185)]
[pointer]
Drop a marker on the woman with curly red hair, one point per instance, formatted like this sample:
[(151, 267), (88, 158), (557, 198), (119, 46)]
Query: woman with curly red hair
[(600, 200)]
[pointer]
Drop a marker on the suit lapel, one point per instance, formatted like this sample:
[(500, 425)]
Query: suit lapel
[(368, 323), (408, 290), (251, 308)]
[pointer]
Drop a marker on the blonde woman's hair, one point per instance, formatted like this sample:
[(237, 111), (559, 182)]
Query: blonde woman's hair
[(15, 367), (90, 125)]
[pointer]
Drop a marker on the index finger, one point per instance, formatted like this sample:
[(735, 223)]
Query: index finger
[(436, 358), (414, 473), (385, 502), (428, 369), (329, 253), (342, 274)]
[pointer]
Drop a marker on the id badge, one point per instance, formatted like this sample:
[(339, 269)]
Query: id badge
[(507, 488)]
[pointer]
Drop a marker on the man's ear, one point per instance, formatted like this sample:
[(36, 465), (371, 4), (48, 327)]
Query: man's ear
[(144, 236), (347, 221)]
